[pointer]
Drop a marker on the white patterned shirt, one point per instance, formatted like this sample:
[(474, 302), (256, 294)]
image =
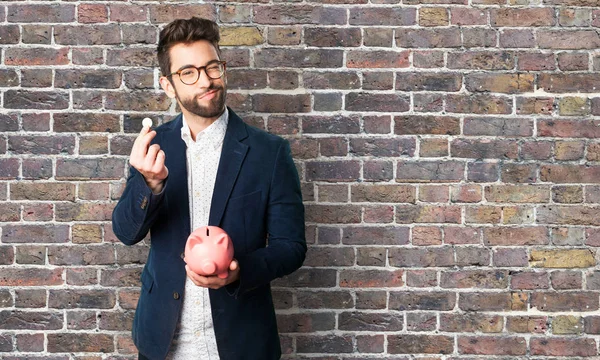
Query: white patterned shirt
[(195, 335)]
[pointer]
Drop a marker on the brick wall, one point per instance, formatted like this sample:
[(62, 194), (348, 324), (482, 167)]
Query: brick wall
[(447, 149)]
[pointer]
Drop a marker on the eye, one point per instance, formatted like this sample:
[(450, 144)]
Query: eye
[(187, 72)]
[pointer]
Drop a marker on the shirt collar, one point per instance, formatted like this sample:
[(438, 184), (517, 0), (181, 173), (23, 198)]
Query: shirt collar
[(212, 136)]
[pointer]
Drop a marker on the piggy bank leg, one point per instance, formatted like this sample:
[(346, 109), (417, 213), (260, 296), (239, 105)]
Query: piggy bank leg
[(222, 275)]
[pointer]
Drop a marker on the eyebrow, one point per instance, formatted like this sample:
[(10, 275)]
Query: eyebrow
[(194, 66)]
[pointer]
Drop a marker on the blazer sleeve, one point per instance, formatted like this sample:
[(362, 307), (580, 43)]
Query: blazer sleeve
[(136, 210), (286, 245)]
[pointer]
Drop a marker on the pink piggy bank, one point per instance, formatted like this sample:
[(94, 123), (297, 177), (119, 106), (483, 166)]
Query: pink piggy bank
[(209, 251)]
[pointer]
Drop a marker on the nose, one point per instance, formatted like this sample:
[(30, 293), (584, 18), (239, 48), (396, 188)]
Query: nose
[(203, 80)]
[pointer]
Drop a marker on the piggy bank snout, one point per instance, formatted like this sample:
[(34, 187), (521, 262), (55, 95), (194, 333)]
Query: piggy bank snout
[(209, 251)]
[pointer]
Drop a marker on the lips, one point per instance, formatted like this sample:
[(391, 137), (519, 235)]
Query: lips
[(208, 95)]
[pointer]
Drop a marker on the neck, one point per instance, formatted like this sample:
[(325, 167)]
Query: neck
[(198, 123)]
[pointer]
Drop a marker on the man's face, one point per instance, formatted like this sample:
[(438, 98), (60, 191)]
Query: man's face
[(205, 98)]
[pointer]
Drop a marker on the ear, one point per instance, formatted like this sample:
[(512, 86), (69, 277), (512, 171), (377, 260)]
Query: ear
[(167, 86), (221, 240)]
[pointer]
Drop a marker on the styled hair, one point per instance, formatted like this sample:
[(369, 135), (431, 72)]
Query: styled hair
[(185, 31)]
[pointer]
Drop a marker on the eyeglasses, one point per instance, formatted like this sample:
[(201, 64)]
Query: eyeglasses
[(190, 75)]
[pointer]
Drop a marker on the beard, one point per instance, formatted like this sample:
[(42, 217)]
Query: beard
[(214, 108)]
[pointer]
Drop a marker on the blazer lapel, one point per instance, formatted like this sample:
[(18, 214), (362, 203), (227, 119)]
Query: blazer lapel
[(232, 157), (177, 188)]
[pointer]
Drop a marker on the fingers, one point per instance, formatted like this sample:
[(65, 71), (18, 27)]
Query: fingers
[(211, 282), (140, 145), (150, 158), (159, 164), (233, 265)]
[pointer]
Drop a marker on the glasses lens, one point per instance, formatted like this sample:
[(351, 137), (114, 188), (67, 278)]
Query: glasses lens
[(189, 76), (214, 71)]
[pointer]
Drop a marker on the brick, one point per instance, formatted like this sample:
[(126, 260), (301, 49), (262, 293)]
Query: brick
[(568, 128), (333, 344), (571, 301), (428, 38), (304, 148), (81, 299), (517, 215), (30, 342), (483, 214), (517, 193), (86, 169), (377, 170), (553, 346), (592, 193), (81, 320), (131, 57), (367, 256), (527, 324), (375, 235), (6, 299), (433, 16), (484, 148), (10, 212), (331, 80), (478, 104), (487, 301), (327, 102), (565, 280), (87, 122), (529, 280), (31, 255), (328, 256), (285, 80), (127, 13), (31, 277), (41, 100), (571, 215), (428, 59), (511, 17), (466, 256), (333, 171), (286, 35), (421, 322), (25, 320), (284, 125), (507, 236), (394, 16), (370, 278), (9, 122), (106, 79), (461, 235), (36, 77), (568, 40), (336, 124), (164, 13), (235, 13), (83, 255), (466, 193), (421, 278), (41, 144), (332, 37), (87, 35), (315, 278), (87, 99), (32, 13), (42, 191), (468, 16), (593, 152), (129, 255), (82, 277), (482, 60), (377, 59), (240, 36), (572, 258), (9, 34), (38, 212), (498, 127), (80, 342), (567, 194), (361, 321), (247, 79), (370, 344), (572, 2), (426, 235), (420, 344), (380, 37), (113, 320), (32, 34), (419, 300), (536, 61), (499, 83), (84, 211), (305, 323), (377, 124), (92, 13), (573, 61), (421, 257), (46, 233), (382, 147), (479, 37), (429, 171), (324, 299), (471, 322), (298, 14), (128, 299), (7, 255), (36, 56), (433, 148), (275, 103), (378, 81), (519, 173), (524, 38), (567, 324), (492, 345), (434, 193), (383, 193), (34, 298), (485, 279), (423, 81), (333, 193), (427, 214), (93, 145)]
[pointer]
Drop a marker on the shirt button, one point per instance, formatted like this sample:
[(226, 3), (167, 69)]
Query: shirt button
[(176, 295)]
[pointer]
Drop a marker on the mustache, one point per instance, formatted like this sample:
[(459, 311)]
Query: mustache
[(212, 87)]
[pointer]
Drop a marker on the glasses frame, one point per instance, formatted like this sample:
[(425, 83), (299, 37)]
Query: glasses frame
[(200, 69)]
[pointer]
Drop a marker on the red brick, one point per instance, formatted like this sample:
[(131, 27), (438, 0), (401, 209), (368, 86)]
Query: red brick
[(298, 14), (330, 256), (429, 171), (298, 58), (485, 148), (433, 147), (131, 57), (336, 124), (43, 191), (370, 278), (26, 320), (468, 16), (164, 13), (9, 34), (487, 301), (305, 323), (568, 40), (482, 60), (332, 37), (394, 16), (80, 342), (485, 279), (32, 13), (382, 37), (362, 321), (43, 100), (423, 81), (570, 301), (573, 61), (569, 128), (471, 322), (331, 80), (324, 344), (555, 346), (377, 59), (92, 13), (275, 103), (382, 147), (517, 193), (461, 235), (519, 173), (333, 214), (31, 277), (515, 17), (428, 59), (420, 344), (377, 102), (127, 13), (87, 35), (492, 345), (47, 233), (529, 280), (421, 257), (506, 236), (428, 38), (376, 235), (478, 104), (523, 38)]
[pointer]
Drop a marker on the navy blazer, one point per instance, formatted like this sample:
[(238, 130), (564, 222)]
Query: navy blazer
[(256, 200)]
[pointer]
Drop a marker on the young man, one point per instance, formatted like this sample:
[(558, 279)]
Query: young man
[(207, 167)]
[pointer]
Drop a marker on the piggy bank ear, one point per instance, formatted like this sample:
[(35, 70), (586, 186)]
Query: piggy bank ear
[(221, 240)]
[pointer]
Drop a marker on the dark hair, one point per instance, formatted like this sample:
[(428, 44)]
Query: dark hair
[(185, 31)]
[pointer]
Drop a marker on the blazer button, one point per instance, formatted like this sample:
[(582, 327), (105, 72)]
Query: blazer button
[(144, 203), (176, 295)]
